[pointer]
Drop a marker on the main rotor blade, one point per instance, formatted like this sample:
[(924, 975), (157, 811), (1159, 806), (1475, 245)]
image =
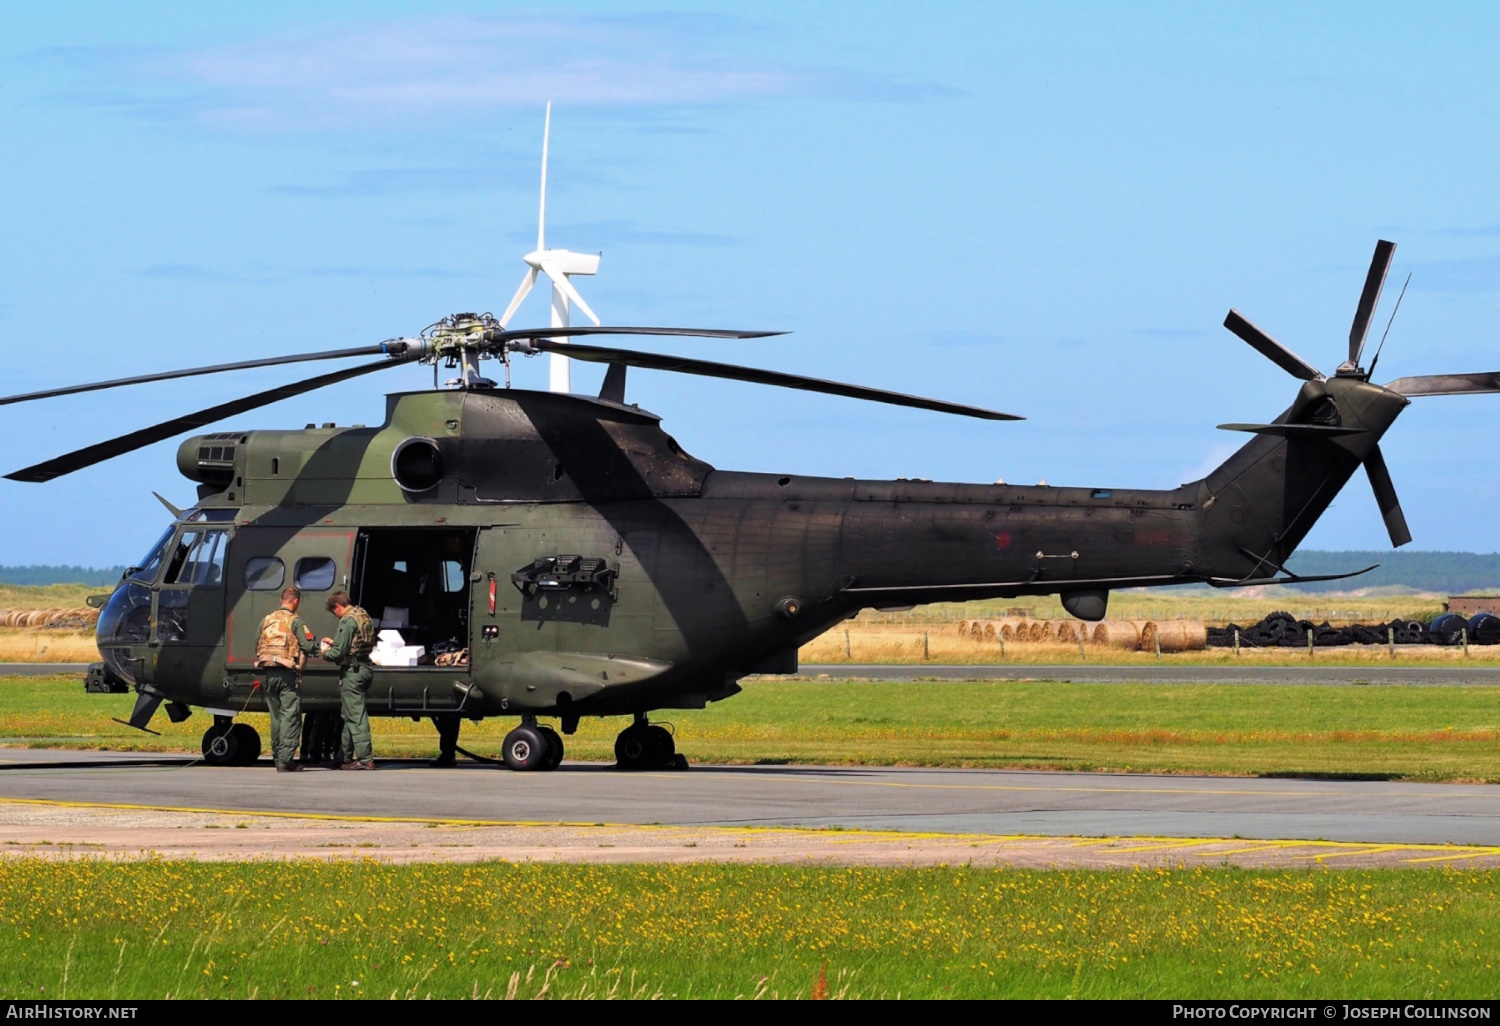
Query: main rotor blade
[(1447, 384), (1268, 347), (703, 368), (1385, 497), (98, 453), (1380, 265), (533, 333), (193, 372)]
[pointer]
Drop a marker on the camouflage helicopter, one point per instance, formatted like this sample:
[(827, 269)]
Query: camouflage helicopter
[(591, 567)]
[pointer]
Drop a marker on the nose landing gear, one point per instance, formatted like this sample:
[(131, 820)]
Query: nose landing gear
[(227, 743), (530, 747)]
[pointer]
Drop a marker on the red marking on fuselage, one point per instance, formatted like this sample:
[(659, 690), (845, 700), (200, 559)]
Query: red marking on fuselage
[(1002, 540)]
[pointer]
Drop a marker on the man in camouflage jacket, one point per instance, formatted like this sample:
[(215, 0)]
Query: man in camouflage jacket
[(350, 648), (280, 653)]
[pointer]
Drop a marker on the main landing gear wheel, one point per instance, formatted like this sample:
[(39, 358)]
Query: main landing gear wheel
[(646, 746), (526, 748), (554, 748), (231, 744)]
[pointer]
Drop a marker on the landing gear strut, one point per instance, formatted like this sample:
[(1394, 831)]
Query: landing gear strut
[(530, 747), (227, 743), (644, 745)]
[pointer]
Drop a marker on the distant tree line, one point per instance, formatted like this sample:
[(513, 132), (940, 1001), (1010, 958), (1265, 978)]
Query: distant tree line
[(1450, 573), (43, 575)]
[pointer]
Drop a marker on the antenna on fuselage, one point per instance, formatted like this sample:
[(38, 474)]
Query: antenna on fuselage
[(558, 265)]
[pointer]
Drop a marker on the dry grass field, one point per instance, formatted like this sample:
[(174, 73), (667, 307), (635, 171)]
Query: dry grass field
[(932, 633)]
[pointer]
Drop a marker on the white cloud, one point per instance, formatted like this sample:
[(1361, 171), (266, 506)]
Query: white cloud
[(448, 70)]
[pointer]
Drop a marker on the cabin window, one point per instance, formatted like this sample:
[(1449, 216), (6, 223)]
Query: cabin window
[(264, 573), (454, 577), (198, 558), (314, 573)]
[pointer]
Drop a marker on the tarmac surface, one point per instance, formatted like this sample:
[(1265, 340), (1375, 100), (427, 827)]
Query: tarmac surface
[(979, 802)]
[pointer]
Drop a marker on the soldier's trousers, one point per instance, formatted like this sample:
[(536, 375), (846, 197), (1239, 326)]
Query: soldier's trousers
[(284, 702), (354, 744)]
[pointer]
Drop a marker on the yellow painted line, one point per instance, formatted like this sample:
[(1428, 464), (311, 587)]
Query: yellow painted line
[(1378, 850), (1492, 853)]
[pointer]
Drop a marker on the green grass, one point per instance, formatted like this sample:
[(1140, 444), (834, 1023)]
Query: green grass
[(1421, 733), (96, 929)]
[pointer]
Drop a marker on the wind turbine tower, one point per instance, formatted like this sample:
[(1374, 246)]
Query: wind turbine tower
[(558, 265)]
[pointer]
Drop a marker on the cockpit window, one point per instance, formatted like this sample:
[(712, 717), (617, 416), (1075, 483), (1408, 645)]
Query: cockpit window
[(152, 563), (198, 558)]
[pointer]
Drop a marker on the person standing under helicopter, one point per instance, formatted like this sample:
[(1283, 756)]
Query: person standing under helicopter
[(283, 647), (350, 648)]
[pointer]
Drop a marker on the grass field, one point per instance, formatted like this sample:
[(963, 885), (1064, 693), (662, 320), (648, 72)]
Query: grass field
[(96, 929), (1417, 733)]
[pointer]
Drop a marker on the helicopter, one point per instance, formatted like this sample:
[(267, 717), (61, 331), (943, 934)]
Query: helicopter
[(563, 556)]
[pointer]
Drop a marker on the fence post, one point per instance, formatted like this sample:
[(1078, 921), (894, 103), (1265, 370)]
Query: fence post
[(1081, 653), (1002, 645), (1158, 644), (1309, 643), (848, 652), (1390, 639), (926, 651), (1236, 642), (1465, 634)]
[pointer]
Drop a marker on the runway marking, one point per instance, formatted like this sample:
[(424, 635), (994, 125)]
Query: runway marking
[(1488, 853)]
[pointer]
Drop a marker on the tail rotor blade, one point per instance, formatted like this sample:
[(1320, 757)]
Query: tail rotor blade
[(1385, 497), (1447, 384), (1271, 349), (1380, 265)]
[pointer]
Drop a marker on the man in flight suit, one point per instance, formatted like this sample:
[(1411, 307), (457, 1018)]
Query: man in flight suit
[(284, 645), (350, 648)]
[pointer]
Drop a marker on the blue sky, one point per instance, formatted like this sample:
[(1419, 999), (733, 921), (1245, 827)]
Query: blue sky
[(1046, 209)]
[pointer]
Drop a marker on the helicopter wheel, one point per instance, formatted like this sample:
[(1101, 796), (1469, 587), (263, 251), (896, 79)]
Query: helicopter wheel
[(554, 748), (220, 745), (526, 748), (247, 744), (645, 746)]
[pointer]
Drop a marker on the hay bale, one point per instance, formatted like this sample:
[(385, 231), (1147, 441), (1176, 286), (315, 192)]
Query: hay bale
[(1122, 634), (1040, 630), (989, 631), (1175, 635), (35, 618), (1065, 631)]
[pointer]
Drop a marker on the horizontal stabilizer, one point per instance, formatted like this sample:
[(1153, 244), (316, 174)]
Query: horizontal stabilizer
[(1293, 430), (1288, 578)]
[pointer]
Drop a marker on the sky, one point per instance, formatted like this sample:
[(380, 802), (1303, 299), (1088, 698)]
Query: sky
[(1045, 209)]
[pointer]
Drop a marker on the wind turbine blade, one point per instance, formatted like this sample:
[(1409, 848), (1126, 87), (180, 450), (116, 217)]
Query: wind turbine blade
[(1385, 497), (541, 220), (566, 288), (521, 293), (1271, 349), (1380, 265)]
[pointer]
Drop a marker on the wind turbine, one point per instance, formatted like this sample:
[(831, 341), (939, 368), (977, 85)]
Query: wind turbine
[(558, 265)]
